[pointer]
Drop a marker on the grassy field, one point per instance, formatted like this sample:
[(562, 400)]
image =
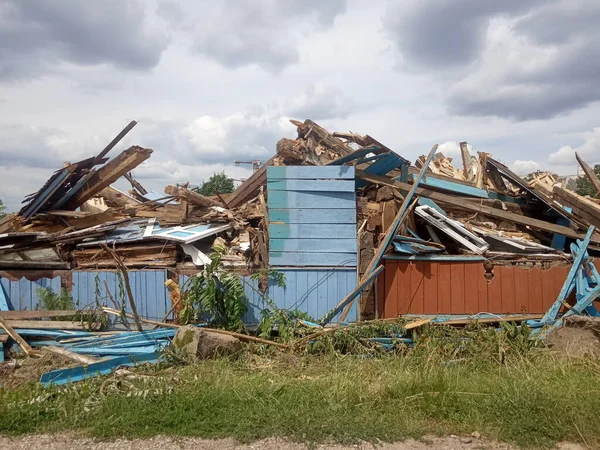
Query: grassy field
[(532, 400)]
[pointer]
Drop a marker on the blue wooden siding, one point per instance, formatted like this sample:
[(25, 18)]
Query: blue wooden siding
[(314, 291), (312, 216), (22, 294)]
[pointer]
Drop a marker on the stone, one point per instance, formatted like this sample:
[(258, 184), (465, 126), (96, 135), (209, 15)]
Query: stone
[(476, 434), (201, 344), (466, 440)]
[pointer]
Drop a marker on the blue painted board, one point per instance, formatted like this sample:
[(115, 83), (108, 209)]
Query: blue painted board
[(313, 216), (318, 200), (312, 230), (451, 186), (63, 376), (309, 172), (3, 299), (1, 352), (357, 154), (325, 245), (313, 259), (311, 185)]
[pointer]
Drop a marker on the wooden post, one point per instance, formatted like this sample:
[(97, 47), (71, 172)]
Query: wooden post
[(19, 340), (123, 269)]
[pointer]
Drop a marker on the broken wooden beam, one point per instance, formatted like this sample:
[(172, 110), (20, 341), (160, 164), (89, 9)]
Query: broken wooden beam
[(109, 173), (114, 197), (190, 196), (589, 172), (476, 207), (16, 337), (580, 205)]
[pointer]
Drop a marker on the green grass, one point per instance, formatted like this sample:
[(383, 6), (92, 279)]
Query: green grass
[(532, 401)]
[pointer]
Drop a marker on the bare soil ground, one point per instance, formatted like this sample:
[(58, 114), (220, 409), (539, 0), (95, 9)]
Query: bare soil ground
[(580, 337), (68, 442)]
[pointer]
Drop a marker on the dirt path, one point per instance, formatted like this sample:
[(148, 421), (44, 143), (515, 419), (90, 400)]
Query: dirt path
[(71, 442)]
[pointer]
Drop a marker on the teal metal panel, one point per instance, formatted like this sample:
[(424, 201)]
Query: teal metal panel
[(314, 200), (310, 172), (312, 231), (326, 245), (312, 185), (312, 259), (313, 216)]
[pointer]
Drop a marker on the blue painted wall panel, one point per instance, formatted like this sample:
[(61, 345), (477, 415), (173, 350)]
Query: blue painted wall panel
[(314, 291), (22, 295), (312, 231), (313, 200), (312, 221), (310, 172), (328, 245), (293, 215)]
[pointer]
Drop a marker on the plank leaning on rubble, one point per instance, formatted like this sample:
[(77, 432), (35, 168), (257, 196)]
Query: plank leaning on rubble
[(17, 338), (589, 173), (389, 235)]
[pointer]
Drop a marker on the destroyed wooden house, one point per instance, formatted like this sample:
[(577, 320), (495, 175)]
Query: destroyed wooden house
[(357, 231)]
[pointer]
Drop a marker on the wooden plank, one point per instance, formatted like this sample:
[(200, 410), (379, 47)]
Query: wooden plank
[(109, 173), (314, 200), (398, 220), (16, 337), (52, 324), (190, 196), (35, 314), (339, 216), (310, 172), (473, 206), (311, 231), (250, 187), (581, 206), (589, 172), (297, 259), (312, 185), (325, 245), (83, 359)]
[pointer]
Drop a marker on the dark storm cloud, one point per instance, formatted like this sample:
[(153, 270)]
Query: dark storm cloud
[(35, 36)]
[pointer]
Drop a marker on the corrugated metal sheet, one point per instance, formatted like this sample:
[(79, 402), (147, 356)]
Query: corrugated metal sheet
[(312, 216), (461, 287)]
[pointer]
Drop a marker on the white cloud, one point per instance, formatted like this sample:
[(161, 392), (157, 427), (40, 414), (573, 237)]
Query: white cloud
[(319, 102), (451, 149), (524, 167), (589, 151)]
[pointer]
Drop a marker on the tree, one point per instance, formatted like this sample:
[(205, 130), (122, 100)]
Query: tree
[(2, 209), (218, 182), (585, 186)]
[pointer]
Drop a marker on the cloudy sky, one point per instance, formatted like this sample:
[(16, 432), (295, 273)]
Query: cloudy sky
[(215, 81)]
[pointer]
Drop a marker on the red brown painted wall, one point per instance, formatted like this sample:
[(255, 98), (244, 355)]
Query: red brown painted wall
[(461, 287)]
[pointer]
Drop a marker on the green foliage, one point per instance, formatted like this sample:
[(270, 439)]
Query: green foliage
[(530, 402), (2, 209), (216, 293), (50, 300), (218, 182), (584, 185)]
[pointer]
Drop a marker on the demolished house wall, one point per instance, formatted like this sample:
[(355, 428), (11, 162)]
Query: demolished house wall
[(464, 286)]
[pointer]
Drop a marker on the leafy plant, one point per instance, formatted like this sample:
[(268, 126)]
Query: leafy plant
[(215, 293), (50, 300), (217, 183), (2, 209)]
